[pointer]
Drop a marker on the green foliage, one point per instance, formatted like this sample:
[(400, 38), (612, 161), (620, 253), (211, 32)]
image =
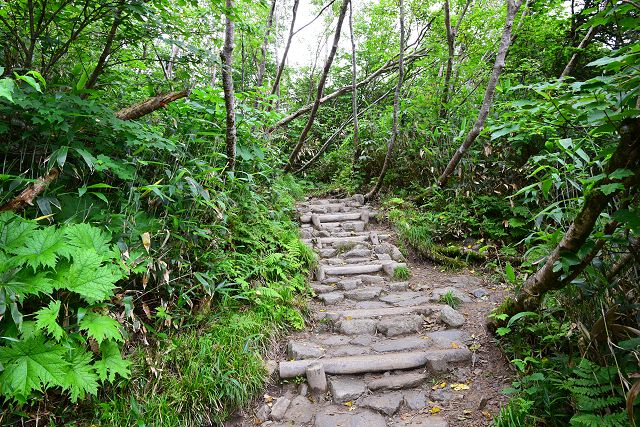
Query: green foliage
[(401, 273), (39, 265), (450, 299)]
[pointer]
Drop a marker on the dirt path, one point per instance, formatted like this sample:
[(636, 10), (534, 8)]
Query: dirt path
[(383, 350)]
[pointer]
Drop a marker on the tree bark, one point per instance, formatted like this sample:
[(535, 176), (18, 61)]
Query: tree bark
[(626, 156), (574, 58), (226, 55), (265, 43), (512, 9), (396, 108), (150, 105), (354, 89), (634, 246), (276, 82), (28, 195), (386, 68), (323, 79), (106, 51)]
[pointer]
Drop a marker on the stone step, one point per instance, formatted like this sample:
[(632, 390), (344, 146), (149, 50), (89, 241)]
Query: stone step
[(335, 315), (337, 217), (347, 270), (435, 360), (350, 226)]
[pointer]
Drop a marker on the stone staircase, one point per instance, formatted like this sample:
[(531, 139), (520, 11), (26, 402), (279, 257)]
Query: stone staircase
[(377, 342)]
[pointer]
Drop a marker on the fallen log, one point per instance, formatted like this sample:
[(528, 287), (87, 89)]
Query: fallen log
[(28, 195), (150, 105)]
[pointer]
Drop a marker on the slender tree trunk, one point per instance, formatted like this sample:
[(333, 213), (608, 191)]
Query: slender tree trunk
[(450, 48), (574, 58), (337, 132), (227, 85), (106, 51), (354, 89), (547, 278), (389, 66), (276, 82), (323, 79), (265, 43), (512, 9), (396, 107), (150, 105)]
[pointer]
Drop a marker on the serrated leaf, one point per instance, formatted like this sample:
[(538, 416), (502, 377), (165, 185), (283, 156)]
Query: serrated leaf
[(620, 174), (101, 327), (88, 277), (46, 319), (610, 188), (81, 378), (14, 231), (112, 363), (85, 236), (29, 365), (42, 248)]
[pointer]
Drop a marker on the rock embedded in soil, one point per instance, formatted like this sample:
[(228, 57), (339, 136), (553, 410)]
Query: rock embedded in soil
[(415, 399), (397, 381), (479, 292), (331, 298), (358, 326), (364, 294), (300, 411), (451, 317), (345, 389), (280, 408), (400, 325), (263, 413), (430, 421), (332, 417), (387, 403), (304, 350), (401, 344)]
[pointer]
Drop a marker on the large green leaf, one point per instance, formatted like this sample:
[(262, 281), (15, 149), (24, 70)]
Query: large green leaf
[(112, 363), (88, 277), (42, 248), (100, 327), (29, 365), (84, 236), (81, 378), (46, 319)]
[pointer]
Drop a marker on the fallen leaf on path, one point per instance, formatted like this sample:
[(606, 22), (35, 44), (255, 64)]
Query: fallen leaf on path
[(435, 410), (487, 414), (459, 387), (437, 386)]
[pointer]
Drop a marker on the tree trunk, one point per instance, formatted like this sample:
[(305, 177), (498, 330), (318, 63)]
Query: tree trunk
[(450, 49), (354, 89), (574, 58), (396, 107), (323, 79), (106, 51), (626, 156), (265, 43), (226, 54), (512, 9), (276, 82), (150, 105)]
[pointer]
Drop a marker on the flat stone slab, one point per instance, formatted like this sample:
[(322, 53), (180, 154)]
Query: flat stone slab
[(329, 340), (398, 286), (358, 326), (362, 313), (336, 417), (300, 411), (322, 289), (444, 339), (331, 297), (304, 350), (371, 304), (364, 294), (348, 350), (415, 399), (348, 284), (397, 382), (412, 302), (400, 325), (402, 344), (352, 269), (387, 403), (400, 296), (344, 389), (364, 340), (358, 253), (368, 278)]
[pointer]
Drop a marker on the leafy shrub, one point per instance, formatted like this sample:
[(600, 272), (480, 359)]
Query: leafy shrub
[(60, 277)]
